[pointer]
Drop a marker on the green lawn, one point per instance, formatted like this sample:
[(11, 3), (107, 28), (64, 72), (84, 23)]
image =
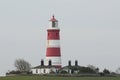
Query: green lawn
[(57, 78)]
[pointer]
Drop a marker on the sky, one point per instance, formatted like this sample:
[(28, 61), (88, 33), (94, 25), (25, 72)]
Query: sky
[(90, 31)]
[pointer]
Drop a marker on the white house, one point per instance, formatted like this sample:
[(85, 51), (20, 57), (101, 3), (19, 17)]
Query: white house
[(45, 69), (71, 69)]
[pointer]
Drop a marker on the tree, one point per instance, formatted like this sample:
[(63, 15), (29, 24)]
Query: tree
[(118, 71), (93, 68), (22, 65), (86, 70), (64, 72), (106, 71)]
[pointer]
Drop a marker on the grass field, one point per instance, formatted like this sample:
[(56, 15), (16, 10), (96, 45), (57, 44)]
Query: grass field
[(57, 78)]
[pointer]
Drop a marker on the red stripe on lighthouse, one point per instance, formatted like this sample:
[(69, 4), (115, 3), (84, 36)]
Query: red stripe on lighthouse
[(53, 52), (53, 35)]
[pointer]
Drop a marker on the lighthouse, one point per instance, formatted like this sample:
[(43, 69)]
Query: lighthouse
[(53, 52)]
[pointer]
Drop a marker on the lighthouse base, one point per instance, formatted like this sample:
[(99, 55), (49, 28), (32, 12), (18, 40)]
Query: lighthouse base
[(56, 61)]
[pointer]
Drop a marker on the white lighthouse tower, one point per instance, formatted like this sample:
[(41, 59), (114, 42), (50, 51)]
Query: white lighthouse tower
[(53, 52)]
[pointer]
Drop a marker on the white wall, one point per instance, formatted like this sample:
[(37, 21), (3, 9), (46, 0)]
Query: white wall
[(43, 70)]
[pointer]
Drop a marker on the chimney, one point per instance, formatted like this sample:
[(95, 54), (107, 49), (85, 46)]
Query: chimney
[(50, 63), (76, 63), (69, 63), (42, 62)]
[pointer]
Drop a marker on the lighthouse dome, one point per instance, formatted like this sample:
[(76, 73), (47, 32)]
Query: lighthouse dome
[(53, 23), (53, 19)]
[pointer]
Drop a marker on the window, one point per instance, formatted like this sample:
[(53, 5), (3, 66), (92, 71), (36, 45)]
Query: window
[(44, 71), (56, 34), (36, 70), (48, 34), (53, 24)]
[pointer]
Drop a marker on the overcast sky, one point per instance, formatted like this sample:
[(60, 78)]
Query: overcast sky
[(90, 31)]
